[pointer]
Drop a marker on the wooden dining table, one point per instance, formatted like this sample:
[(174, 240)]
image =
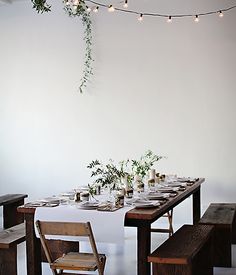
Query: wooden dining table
[(139, 218)]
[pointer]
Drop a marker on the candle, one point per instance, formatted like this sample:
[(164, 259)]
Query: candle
[(152, 174), (137, 178)]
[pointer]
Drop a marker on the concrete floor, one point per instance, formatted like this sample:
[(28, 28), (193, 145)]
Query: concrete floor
[(121, 260)]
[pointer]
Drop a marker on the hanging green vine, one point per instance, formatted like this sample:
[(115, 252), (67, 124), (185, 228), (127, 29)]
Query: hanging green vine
[(73, 9), (41, 6)]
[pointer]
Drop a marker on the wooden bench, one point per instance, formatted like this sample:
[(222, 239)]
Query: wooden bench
[(223, 217), (10, 202), (186, 252), (9, 239)]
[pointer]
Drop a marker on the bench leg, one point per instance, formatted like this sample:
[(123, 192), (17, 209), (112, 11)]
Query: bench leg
[(171, 269), (222, 247), (8, 261), (203, 261), (234, 230)]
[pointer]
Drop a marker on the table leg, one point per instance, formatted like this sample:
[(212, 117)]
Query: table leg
[(33, 248), (197, 205), (143, 249)]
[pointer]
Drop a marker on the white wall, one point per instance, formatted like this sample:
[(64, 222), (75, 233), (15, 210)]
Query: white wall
[(159, 86)]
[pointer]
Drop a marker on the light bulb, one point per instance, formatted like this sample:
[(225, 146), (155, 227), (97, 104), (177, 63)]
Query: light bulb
[(88, 9), (140, 19), (96, 9), (196, 19), (111, 8), (221, 14), (169, 20), (125, 4)]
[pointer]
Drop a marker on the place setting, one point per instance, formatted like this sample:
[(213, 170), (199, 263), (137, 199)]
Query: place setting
[(88, 205), (186, 181), (143, 203), (46, 202)]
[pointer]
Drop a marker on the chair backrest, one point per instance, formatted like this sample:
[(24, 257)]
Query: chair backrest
[(66, 229)]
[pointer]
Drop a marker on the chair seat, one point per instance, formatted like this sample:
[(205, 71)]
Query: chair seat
[(77, 261), (72, 260)]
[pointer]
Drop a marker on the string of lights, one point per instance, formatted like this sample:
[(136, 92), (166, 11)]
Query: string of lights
[(124, 8)]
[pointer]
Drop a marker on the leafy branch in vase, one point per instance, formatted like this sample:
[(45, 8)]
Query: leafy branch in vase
[(144, 164), (108, 175)]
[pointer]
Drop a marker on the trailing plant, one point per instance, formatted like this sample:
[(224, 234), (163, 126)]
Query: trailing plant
[(73, 9), (41, 6)]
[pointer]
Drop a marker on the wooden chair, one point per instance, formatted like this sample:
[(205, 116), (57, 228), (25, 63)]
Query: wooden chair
[(170, 229), (72, 260)]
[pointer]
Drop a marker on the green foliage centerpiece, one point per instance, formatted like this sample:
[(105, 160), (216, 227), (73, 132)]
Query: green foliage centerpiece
[(112, 176)]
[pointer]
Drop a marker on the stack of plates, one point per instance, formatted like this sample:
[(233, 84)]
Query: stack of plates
[(188, 180), (177, 184), (146, 204), (35, 204), (51, 200), (157, 196), (167, 189), (88, 205), (68, 195)]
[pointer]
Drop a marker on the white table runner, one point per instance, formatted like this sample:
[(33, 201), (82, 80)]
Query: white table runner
[(107, 226)]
